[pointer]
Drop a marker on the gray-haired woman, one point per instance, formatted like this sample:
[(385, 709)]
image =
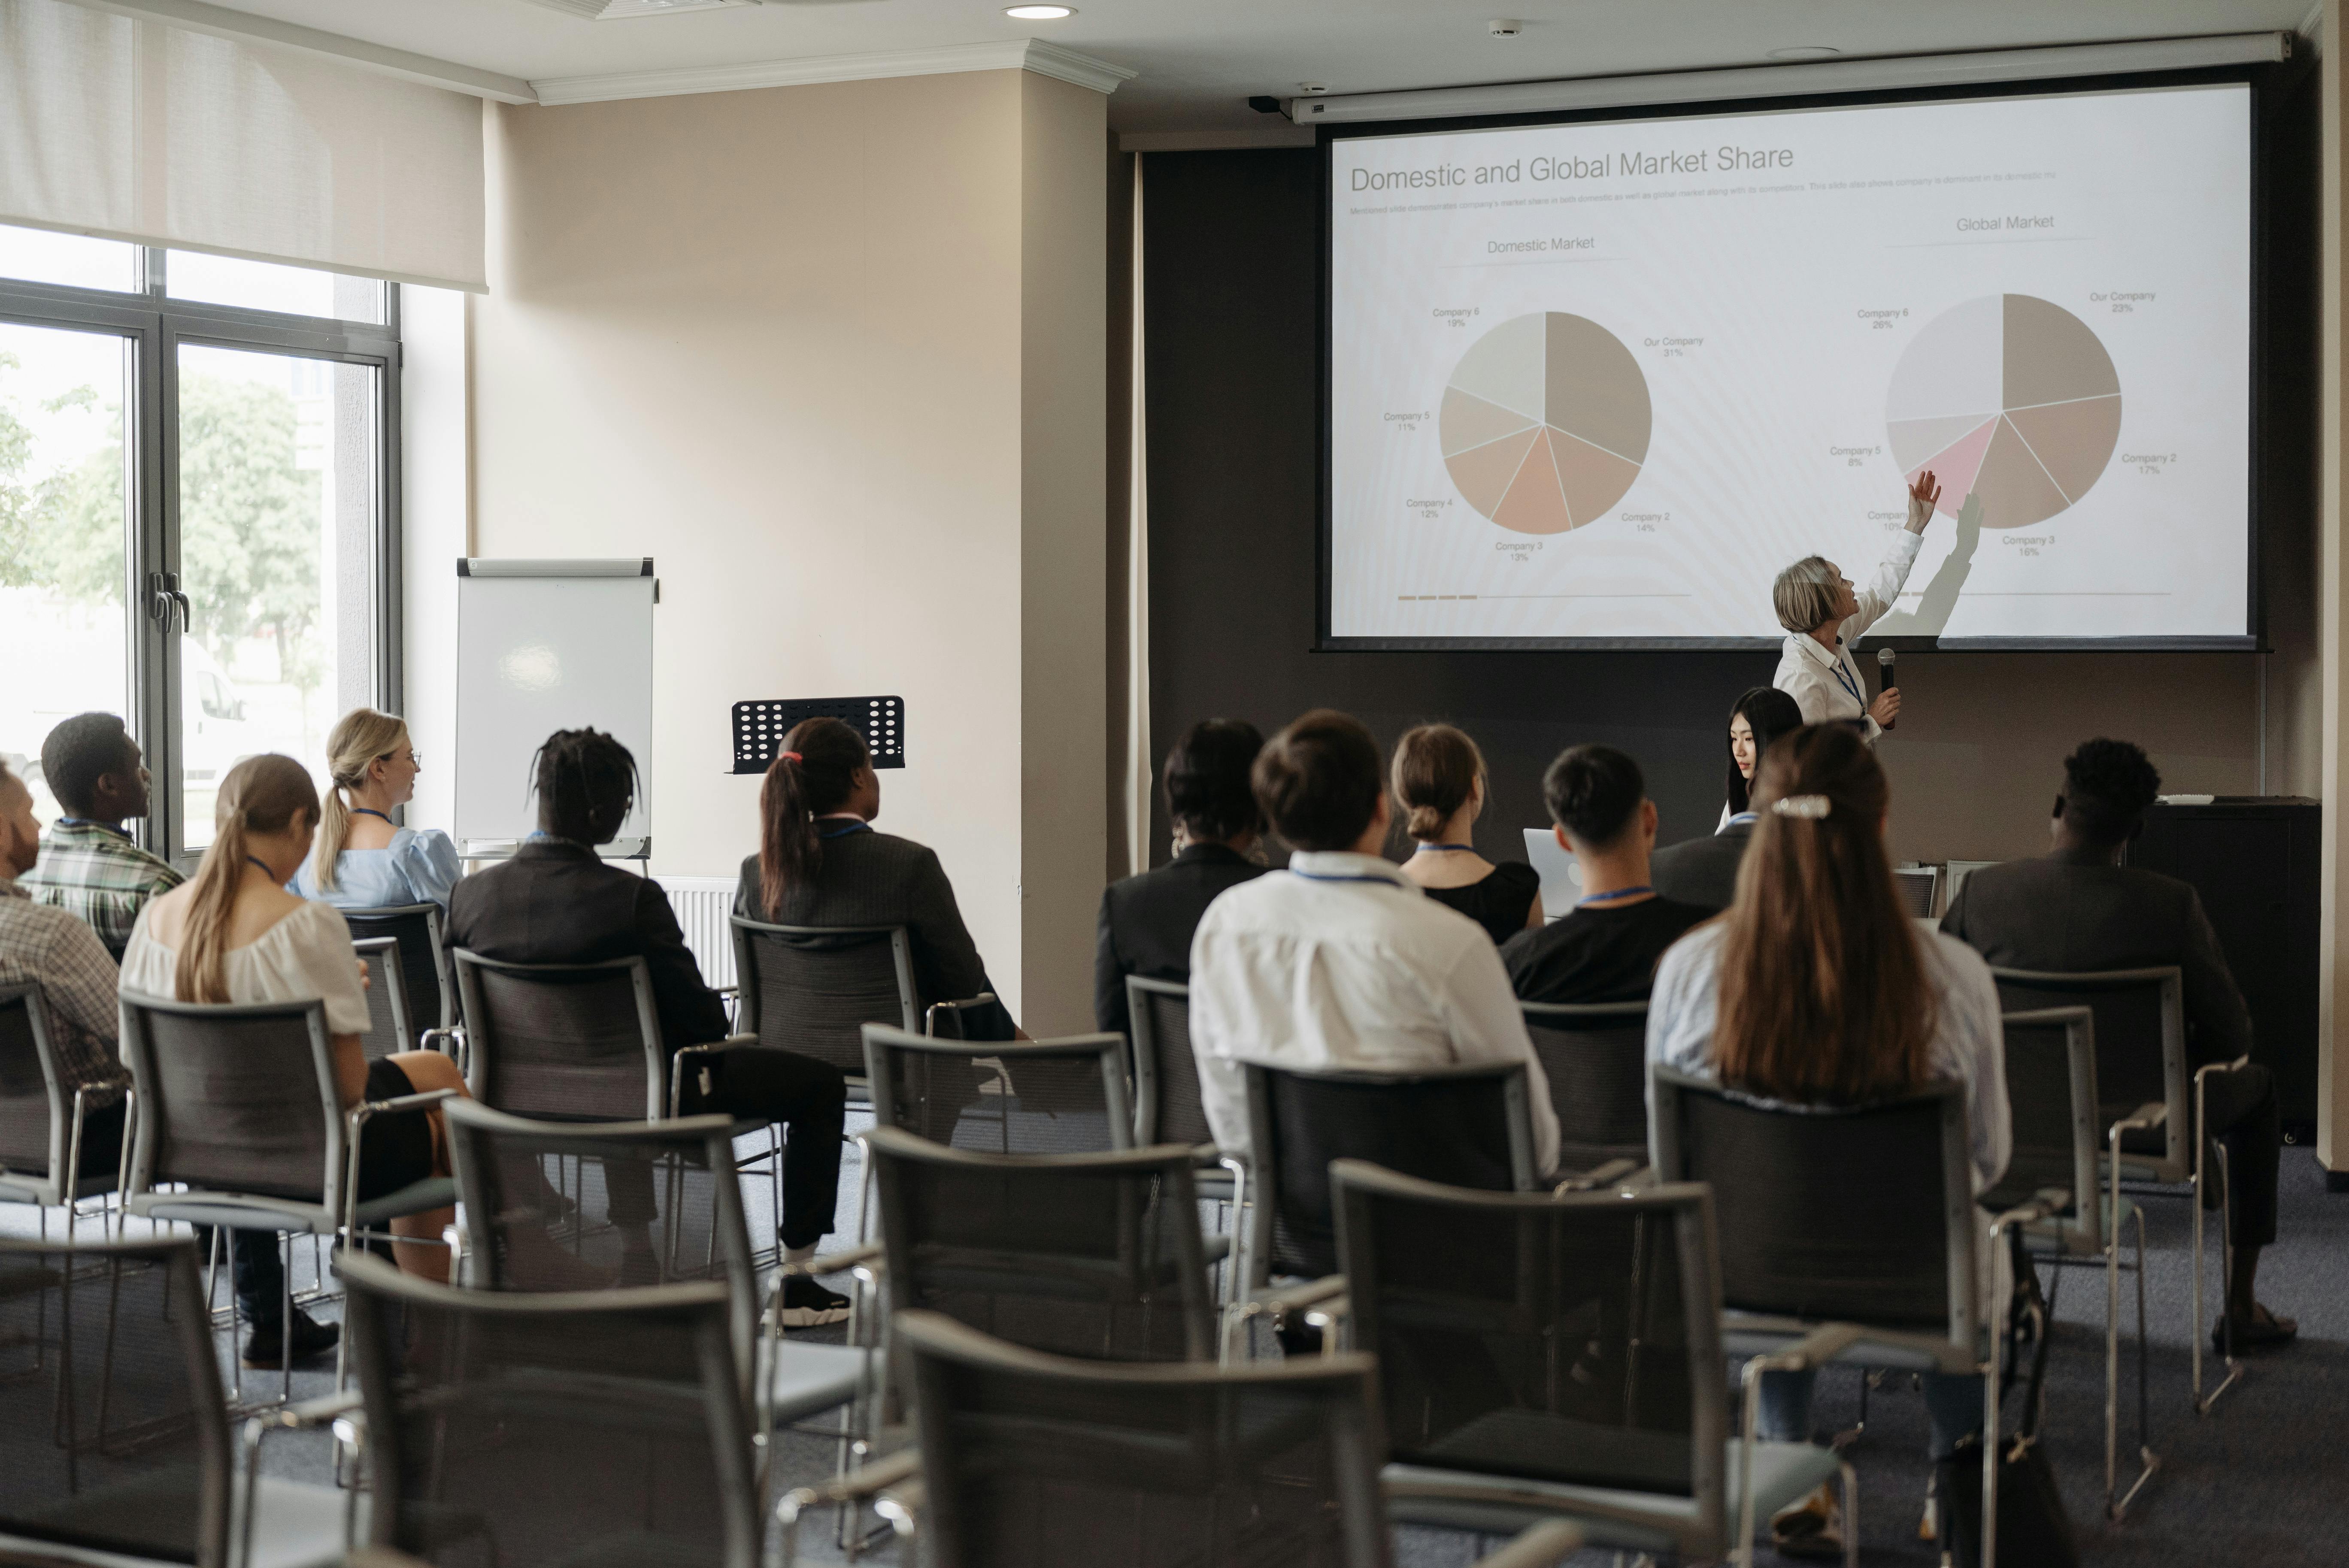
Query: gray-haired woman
[(1824, 615)]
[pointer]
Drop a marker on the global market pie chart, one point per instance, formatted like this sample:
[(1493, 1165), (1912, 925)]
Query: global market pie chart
[(2010, 398), (1546, 422)]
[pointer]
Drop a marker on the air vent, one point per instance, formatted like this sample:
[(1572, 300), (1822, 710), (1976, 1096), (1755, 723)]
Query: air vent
[(614, 10)]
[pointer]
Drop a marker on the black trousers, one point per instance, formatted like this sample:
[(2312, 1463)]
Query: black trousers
[(808, 1096), (2242, 1114)]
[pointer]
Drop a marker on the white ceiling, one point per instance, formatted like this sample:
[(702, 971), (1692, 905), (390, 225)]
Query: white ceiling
[(1200, 59)]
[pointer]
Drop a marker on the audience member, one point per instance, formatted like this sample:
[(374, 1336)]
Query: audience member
[(1703, 871), (89, 865), (77, 976), (1147, 921), (821, 861), (234, 934), (1607, 947), (557, 902), (363, 861), (1340, 962), (1816, 989), (2078, 908), (1440, 782)]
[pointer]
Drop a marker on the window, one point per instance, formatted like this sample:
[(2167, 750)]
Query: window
[(198, 517)]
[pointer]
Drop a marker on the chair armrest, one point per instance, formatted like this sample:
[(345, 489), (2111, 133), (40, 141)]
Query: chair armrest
[(1820, 1346), (856, 1486), (1550, 1541), (2045, 1204), (1280, 1303), (1206, 1155), (728, 990), (902, 1504), (402, 1102), (707, 1048), (2206, 1068), (306, 1413), (1605, 1175), (2144, 1118), (425, 1040), (832, 1263)]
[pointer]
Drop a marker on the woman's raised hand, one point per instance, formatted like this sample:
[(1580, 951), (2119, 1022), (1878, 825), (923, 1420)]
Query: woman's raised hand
[(1923, 496)]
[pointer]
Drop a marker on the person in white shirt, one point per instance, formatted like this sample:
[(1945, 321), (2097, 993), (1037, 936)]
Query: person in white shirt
[(1814, 988), (1824, 615), (1341, 962)]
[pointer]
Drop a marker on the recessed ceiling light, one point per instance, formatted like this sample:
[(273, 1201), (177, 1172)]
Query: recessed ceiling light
[(1806, 52), (1038, 13), (1311, 88)]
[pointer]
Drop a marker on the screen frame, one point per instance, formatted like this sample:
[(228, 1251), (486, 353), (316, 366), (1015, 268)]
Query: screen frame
[(2258, 79)]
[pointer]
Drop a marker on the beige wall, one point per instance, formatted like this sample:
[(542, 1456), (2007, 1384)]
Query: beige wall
[(832, 355)]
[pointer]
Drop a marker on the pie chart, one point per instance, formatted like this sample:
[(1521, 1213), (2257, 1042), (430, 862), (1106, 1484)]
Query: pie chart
[(1546, 422), (2006, 398)]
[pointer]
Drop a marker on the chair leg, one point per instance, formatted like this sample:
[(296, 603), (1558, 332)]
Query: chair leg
[(2227, 1265), (2149, 1460)]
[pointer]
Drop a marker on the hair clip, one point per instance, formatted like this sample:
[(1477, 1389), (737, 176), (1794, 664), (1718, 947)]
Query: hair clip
[(790, 757), (1809, 808)]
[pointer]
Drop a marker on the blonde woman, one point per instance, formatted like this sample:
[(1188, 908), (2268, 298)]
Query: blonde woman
[(362, 860), (1824, 614), (233, 933), (1438, 783)]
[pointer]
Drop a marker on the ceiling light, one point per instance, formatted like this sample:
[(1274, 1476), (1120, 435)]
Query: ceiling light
[(1806, 52), (1311, 88), (1038, 13)]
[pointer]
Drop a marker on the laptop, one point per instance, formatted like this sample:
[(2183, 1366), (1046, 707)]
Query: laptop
[(1561, 880)]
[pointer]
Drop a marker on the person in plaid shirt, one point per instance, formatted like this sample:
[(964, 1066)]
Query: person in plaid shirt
[(89, 866), (77, 980)]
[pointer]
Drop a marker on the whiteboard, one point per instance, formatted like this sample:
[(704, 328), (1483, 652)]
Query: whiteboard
[(544, 646)]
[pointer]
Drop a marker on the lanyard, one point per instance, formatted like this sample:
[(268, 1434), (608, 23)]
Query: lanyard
[(1444, 849), (1742, 818), (1844, 680), (266, 868), (368, 811), (843, 832), (1611, 896), (1325, 876)]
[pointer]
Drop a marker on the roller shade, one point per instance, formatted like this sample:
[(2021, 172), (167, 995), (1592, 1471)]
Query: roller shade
[(137, 130)]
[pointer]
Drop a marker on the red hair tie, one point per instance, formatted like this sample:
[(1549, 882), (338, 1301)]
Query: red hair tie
[(790, 756)]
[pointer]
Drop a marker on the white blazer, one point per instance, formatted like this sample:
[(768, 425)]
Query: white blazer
[(1829, 686)]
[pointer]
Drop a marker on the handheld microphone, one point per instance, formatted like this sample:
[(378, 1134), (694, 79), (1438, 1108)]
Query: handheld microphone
[(1885, 679)]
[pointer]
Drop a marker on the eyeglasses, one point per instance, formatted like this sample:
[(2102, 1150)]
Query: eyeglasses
[(414, 757)]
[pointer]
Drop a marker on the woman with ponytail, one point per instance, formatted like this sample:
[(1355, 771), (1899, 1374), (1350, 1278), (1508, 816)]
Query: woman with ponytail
[(820, 862), (234, 934), (1440, 784), (362, 860), (1814, 988)]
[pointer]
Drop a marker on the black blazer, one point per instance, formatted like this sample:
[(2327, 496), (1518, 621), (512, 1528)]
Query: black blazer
[(866, 878), (1702, 872), (1147, 921), (2075, 911), (559, 902)]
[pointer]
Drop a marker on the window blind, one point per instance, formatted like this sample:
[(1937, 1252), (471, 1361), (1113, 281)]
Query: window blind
[(134, 130)]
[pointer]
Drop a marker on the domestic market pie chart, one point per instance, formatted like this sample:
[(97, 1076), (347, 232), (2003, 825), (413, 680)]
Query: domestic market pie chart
[(1546, 422), (2010, 398)]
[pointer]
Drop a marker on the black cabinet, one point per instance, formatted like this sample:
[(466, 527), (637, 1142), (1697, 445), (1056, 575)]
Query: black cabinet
[(2254, 861)]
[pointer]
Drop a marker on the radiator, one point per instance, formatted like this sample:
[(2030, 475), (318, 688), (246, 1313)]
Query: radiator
[(703, 906)]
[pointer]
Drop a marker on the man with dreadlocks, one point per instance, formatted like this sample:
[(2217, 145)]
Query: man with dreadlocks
[(557, 902)]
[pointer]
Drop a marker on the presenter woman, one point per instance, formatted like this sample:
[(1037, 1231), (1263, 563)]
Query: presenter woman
[(1824, 615)]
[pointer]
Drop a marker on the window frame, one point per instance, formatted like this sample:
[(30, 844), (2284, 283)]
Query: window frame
[(153, 325)]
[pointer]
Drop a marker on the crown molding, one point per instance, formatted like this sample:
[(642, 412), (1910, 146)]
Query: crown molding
[(219, 21), (1012, 55), (1238, 138)]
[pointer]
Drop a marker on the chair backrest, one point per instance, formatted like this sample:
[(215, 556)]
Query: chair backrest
[(1095, 1255), (810, 989), (1862, 1214), (2140, 1045), (1595, 1055), (644, 1203), (113, 1433), (1572, 1338), (424, 967), (33, 1115), (1167, 1108), (1031, 1458), (2051, 1091), (234, 1098), (1024, 1096), (531, 1430), (390, 1026), (1920, 887), (1466, 1126), (569, 1041)]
